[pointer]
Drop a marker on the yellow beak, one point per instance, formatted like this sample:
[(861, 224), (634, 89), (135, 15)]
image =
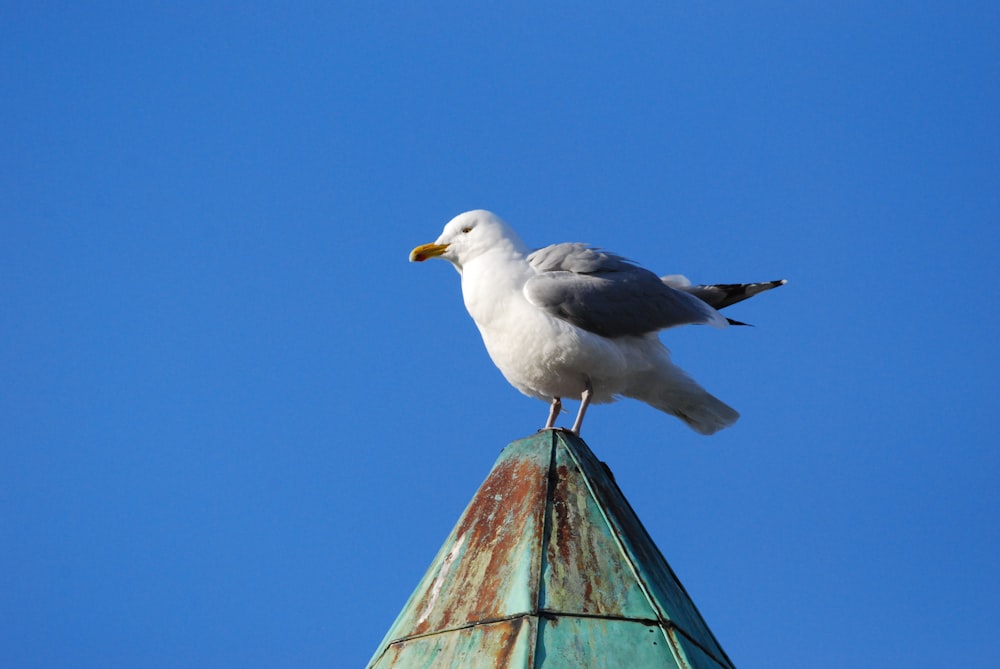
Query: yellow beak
[(425, 251)]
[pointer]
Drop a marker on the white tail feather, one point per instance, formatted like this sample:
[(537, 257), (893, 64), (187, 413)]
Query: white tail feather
[(672, 391)]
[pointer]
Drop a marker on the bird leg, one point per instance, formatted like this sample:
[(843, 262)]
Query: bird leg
[(584, 403), (554, 411)]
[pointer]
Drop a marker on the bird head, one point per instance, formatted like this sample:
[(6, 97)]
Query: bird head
[(468, 236)]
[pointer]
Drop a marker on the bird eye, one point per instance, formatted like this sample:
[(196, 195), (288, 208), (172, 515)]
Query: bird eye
[(467, 229)]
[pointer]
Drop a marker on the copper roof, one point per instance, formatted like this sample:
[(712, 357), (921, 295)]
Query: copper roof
[(549, 567)]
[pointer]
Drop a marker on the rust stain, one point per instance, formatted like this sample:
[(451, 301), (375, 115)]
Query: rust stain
[(585, 572), (505, 644), (473, 585)]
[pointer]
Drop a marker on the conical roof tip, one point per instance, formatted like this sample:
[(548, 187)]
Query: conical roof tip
[(549, 567)]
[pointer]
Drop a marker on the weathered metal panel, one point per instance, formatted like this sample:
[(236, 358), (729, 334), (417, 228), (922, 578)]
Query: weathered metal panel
[(506, 644), (671, 599), (692, 655), (585, 570), (487, 569), (600, 643)]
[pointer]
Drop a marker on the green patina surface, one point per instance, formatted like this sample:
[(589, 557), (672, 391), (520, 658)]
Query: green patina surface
[(549, 568)]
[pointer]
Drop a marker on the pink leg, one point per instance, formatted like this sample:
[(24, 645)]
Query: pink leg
[(584, 403), (554, 411)]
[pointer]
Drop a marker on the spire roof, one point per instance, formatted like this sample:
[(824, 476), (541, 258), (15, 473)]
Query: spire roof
[(549, 567)]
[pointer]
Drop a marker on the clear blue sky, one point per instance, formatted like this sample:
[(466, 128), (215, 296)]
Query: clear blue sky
[(236, 424)]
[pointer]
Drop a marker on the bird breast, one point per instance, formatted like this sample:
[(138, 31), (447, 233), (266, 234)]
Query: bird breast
[(539, 354)]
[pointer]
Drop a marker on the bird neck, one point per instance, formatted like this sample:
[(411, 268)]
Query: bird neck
[(491, 280)]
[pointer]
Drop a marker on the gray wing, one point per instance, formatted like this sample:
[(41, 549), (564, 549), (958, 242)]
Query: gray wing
[(608, 295)]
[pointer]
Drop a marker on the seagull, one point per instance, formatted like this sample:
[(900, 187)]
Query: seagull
[(573, 321)]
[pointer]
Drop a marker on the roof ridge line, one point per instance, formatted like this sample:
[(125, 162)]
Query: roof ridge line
[(666, 624)]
